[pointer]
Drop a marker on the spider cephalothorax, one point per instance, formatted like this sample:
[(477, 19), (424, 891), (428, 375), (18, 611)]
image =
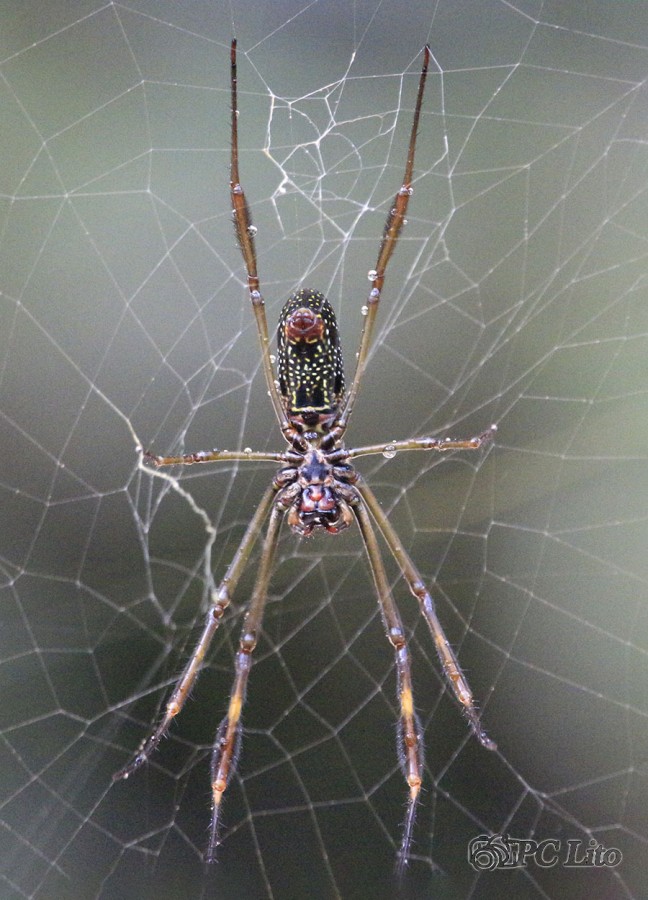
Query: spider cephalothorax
[(316, 487), (318, 492)]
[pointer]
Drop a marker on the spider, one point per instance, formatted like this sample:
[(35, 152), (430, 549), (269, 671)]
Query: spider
[(316, 488)]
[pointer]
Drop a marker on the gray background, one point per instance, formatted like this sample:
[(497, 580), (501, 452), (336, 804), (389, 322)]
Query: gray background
[(516, 296)]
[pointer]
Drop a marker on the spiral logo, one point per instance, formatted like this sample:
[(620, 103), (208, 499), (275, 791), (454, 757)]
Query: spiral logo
[(487, 852)]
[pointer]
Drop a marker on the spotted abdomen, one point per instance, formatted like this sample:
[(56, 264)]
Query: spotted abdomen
[(309, 361)]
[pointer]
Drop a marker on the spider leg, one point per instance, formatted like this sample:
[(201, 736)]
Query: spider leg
[(441, 445), (221, 600), (228, 736), (410, 747), (393, 226), (205, 456), (245, 232), (449, 662)]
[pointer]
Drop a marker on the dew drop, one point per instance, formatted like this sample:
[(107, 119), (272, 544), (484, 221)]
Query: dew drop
[(247, 450), (251, 230), (389, 452), (273, 358), (372, 274), (364, 310)]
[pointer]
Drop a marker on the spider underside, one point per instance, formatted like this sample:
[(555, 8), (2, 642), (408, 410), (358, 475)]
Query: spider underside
[(316, 488)]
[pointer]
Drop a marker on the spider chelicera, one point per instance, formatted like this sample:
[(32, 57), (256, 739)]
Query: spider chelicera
[(316, 488)]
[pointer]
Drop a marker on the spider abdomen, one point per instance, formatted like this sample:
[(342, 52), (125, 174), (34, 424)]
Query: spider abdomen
[(309, 361)]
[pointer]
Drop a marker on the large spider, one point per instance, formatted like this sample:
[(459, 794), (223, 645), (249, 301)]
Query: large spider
[(316, 488)]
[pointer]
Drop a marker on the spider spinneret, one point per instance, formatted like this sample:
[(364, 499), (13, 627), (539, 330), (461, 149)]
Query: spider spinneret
[(317, 488)]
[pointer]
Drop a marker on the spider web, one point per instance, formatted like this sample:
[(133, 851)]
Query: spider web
[(517, 295)]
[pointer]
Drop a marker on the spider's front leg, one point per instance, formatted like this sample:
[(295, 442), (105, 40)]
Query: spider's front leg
[(228, 737), (410, 743), (447, 657), (220, 603)]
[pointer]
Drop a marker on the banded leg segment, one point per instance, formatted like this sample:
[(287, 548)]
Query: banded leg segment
[(207, 456), (222, 600), (410, 747), (228, 737), (449, 662), (245, 232), (440, 445), (393, 227)]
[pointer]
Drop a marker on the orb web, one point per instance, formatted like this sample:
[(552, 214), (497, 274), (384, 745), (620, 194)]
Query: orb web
[(516, 296)]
